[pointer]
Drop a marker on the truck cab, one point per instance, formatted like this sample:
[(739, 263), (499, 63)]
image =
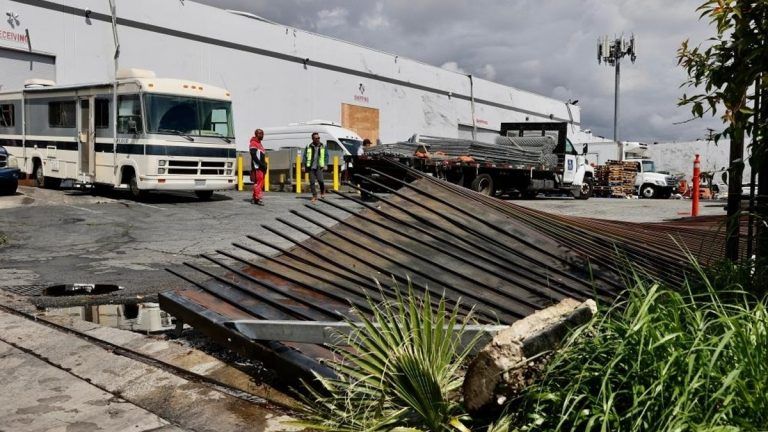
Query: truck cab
[(650, 184), (573, 173)]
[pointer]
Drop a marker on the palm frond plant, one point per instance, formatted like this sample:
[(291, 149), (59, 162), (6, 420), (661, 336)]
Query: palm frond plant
[(401, 370)]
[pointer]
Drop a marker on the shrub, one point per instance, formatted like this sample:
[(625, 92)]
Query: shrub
[(660, 360)]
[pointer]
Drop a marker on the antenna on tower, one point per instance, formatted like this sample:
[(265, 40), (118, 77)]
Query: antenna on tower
[(611, 51)]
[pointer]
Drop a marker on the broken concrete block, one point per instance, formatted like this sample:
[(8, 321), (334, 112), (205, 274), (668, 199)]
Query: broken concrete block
[(504, 366)]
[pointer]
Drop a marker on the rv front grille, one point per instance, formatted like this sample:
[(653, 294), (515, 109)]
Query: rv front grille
[(3, 161), (205, 164), (186, 171), (182, 163), (187, 167), (212, 171)]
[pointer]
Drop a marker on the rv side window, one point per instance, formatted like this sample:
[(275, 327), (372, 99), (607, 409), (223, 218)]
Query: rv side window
[(61, 114), (7, 115), (129, 115), (102, 114)]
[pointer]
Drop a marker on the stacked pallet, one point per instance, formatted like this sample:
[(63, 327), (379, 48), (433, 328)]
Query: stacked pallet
[(616, 178)]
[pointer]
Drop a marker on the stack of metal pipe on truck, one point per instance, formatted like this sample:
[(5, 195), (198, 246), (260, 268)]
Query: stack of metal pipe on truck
[(526, 159)]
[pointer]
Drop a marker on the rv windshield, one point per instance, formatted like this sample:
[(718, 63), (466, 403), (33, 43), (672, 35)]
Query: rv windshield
[(351, 145), (184, 115)]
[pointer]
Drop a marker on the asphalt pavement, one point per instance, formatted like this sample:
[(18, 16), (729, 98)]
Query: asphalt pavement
[(50, 237)]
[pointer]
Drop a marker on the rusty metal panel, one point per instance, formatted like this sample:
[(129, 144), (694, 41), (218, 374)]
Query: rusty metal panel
[(494, 258)]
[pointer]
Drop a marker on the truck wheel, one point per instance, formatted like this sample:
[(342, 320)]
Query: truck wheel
[(648, 191), (587, 188), (204, 195), (483, 184)]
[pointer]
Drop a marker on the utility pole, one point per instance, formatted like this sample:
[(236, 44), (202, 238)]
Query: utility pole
[(611, 52)]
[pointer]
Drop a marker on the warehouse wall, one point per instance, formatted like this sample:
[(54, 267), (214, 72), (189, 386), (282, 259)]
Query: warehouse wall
[(263, 66)]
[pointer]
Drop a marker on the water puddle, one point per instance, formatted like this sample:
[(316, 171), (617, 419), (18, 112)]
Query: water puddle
[(138, 317)]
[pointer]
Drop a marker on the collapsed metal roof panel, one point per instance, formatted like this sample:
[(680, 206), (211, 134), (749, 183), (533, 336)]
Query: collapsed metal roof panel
[(500, 260)]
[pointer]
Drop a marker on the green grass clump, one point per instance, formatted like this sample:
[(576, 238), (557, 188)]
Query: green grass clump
[(659, 360)]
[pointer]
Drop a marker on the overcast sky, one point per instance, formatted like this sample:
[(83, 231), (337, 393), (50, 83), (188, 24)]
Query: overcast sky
[(544, 46)]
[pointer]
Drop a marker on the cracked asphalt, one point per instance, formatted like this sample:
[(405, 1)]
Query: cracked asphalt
[(50, 237)]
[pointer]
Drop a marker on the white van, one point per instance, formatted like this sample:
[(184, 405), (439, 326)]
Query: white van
[(338, 141)]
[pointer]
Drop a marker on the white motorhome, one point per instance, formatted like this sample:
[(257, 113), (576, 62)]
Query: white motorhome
[(648, 183), (167, 134)]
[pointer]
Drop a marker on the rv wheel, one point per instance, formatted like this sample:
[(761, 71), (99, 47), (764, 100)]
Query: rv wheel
[(39, 176), (42, 181), (133, 186)]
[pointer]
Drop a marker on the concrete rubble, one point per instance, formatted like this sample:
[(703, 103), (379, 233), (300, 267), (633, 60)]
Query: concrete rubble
[(504, 366)]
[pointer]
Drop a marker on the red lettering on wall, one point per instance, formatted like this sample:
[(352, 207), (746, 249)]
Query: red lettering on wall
[(359, 98), (13, 37)]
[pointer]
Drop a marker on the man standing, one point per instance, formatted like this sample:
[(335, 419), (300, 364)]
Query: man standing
[(258, 166), (314, 162)]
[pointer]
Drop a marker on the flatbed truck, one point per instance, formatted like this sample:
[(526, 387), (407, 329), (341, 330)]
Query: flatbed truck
[(571, 175)]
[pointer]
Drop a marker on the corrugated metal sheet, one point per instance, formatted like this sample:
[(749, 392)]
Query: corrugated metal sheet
[(502, 260)]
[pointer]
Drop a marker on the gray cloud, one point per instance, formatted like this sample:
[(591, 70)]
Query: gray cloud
[(544, 46)]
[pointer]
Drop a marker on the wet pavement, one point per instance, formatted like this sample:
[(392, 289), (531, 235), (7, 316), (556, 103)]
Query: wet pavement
[(50, 237)]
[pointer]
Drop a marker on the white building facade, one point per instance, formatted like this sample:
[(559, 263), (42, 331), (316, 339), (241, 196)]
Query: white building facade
[(276, 74)]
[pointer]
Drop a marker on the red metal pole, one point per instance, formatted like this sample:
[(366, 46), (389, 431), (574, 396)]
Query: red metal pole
[(695, 191)]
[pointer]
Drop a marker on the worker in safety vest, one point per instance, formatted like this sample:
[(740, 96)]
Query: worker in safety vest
[(314, 163)]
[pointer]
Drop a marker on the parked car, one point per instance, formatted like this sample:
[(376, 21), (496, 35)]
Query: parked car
[(9, 173)]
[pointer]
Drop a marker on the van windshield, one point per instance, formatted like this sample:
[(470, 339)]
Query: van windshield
[(173, 115), (351, 145)]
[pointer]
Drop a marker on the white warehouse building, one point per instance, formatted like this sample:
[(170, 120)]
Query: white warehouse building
[(276, 74)]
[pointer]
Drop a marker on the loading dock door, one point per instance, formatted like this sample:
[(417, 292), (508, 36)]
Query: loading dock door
[(363, 120), (19, 66)]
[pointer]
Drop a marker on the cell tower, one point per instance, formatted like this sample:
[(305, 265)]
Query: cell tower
[(611, 52)]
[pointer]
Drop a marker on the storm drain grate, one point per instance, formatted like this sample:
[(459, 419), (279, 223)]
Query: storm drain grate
[(25, 290)]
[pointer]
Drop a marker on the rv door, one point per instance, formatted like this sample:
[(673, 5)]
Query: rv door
[(86, 137)]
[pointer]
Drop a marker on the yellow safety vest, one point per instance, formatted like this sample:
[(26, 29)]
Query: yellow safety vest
[(309, 151)]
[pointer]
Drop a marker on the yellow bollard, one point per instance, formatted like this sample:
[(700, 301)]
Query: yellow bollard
[(336, 173), (266, 175), (240, 173), (298, 174)]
